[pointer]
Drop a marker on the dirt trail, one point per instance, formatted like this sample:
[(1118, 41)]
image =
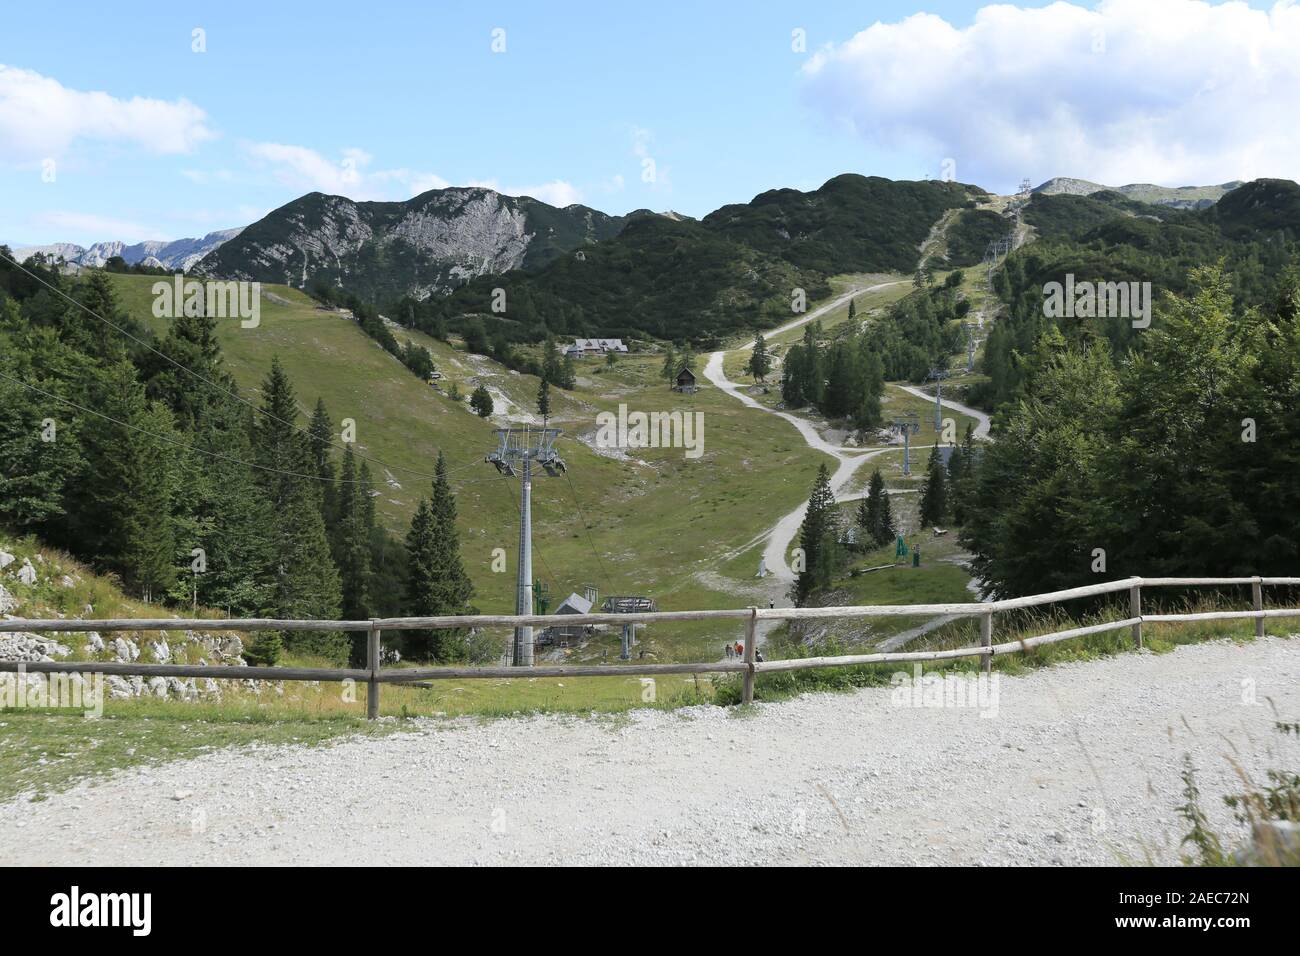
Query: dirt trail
[(780, 536), (1079, 764)]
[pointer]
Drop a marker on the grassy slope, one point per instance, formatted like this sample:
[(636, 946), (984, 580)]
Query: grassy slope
[(655, 522)]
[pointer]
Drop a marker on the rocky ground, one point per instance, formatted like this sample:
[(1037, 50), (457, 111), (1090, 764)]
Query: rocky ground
[(1076, 764), (161, 647)]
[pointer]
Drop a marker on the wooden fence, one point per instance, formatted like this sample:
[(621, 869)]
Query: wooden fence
[(375, 676)]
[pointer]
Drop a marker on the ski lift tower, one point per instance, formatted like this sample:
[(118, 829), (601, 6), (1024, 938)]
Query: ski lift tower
[(517, 450), (908, 425), (937, 375), (969, 329)]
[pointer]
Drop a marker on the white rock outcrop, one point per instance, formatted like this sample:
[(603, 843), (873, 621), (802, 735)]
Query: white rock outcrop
[(29, 647), (27, 573)]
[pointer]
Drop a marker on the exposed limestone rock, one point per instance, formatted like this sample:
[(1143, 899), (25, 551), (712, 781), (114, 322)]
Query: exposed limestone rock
[(27, 573), (29, 647)]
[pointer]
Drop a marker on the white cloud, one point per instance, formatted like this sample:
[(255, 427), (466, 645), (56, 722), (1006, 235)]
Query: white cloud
[(305, 168), (41, 118), (558, 192), (1168, 91)]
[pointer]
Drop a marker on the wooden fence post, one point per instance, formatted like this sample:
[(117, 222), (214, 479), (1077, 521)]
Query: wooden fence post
[(372, 661), (1257, 594), (986, 639), (751, 632), (1135, 610)]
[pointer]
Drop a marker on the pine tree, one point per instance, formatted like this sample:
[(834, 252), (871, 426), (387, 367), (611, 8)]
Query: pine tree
[(793, 378), (366, 494), (670, 367), (149, 469), (886, 530), (453, 586), (875, 517), (934, 491), (34, 472), (421, 580), (568, 374), (813, 383), (817, 539), (304, 580), (481, 402), (552, 370), (955, 463), (321, 440), (125, 500), (868, 413), (88, 333), (853, 309), (230, 518), (544, 399), (190, 343), (352, 552), (760, 360), (968, 452)]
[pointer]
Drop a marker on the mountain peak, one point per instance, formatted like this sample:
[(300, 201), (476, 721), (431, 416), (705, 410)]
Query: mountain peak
[(429, 244), (1178, 197)]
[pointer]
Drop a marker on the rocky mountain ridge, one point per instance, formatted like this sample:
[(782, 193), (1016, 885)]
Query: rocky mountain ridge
[(167, 254)]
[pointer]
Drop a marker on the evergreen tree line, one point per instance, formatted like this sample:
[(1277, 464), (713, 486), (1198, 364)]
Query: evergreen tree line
[(944, 490), (920, 331), (1087, 238), (137, 457), (843, 379), (1177, 457)]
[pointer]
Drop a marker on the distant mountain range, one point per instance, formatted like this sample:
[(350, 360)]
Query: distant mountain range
[(428, 245), (176, 254), (1179, 197), (733, 262)]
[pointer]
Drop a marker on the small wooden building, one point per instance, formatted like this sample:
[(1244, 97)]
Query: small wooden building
[(562, 633), (685, 382), (581, 348)]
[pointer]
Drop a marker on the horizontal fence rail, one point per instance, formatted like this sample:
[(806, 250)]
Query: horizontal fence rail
[(374, 675)]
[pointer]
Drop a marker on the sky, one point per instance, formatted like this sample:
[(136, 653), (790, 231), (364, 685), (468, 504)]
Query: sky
[(122, 123)]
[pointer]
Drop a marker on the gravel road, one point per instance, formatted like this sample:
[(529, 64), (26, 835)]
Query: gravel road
[(1080, 765)]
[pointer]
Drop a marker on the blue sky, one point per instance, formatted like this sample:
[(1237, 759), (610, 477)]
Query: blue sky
[(380, 100)]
